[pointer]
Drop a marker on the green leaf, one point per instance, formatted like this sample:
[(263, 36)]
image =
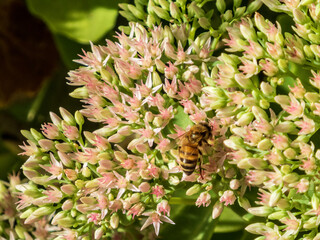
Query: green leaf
[(191, 223), (181, 118), (229, 221), (81, 20)]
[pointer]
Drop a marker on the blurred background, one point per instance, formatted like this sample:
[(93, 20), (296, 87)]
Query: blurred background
[(39, 39)]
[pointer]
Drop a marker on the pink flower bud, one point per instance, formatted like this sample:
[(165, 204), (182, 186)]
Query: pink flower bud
[(217, 209), (234, 184), (144, 187), (46, 144), (228, 198), (163, 207), (68, 189), (67, 205), (65, 159), (71, 174), (204, 199)]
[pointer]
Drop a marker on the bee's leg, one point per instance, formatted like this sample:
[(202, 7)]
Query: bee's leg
[(200, 168)]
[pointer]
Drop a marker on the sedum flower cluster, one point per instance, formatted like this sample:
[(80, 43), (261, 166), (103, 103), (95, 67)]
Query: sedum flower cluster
[(11, 225), (177, 64)]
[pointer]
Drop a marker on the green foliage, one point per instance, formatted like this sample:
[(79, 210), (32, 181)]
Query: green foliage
[(82, 21)]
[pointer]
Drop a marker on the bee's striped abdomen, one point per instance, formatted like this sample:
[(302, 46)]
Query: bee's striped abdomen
[(189, 156)]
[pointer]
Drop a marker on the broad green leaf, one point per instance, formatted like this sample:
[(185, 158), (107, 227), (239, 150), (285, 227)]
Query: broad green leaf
[(81, 20), (191, 223), (229, 221), (181, 118)]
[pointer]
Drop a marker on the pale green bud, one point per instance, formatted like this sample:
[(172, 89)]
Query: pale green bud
[(285, 127), (194, 10), (259, 113), (315, 49), (43, 211), (66, 222), (263, 103), (160, 65), (277, 215), (157, 121), (226, 112), (221, 6), (161, 13), (236, 3), (257, 163), (244, 164), (164, 4), (136, 12), (239, 11), (264, 144), (243, 81), (27, 134), (299, 16), (151, 20), (256, 228), (227, 16), (312, 97), (245, 119), (267, 89), (286, 169), (263, 211), (67, 116), (175, 11), (282, 99), (315, 202), (86, 172), (218, 98), (193, 190), (308, 52), (80, 93), (290, 153), (36, 135), (254, 6), (235, 143), (58, 216), (156, 80), (244, 203), (128, 15), (105, 74), (167, 34), (283, 65), (311, 223), (28, 212), (204, 23), (248, 31), (20, 231), (275, 197), (249, 102), (315, 38), (79, 118), (114, 221), (291, 178), (79, 183)]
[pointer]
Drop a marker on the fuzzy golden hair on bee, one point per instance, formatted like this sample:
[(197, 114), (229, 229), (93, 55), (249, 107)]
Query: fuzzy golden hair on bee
[(190, 146)]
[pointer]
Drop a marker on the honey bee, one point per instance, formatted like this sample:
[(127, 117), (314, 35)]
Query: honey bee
[(190, 147)]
